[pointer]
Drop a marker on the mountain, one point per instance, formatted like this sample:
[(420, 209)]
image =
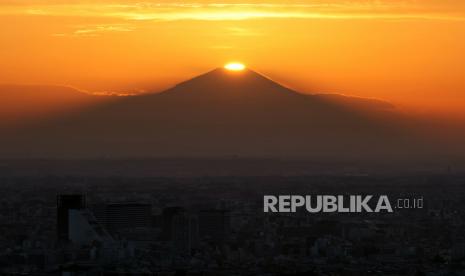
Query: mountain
[(222, 113)]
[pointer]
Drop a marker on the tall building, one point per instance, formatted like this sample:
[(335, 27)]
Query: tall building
[(64, 204), (168, 215), (119, 216), (215, 225), (185, 233), (85, 229)]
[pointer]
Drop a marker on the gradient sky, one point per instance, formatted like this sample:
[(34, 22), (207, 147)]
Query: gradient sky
[(406, 51)]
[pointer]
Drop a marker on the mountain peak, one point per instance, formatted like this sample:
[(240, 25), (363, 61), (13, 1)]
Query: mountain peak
[(221, 82), (221, 74)]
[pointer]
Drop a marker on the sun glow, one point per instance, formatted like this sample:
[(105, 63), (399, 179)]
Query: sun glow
[(235, 66)]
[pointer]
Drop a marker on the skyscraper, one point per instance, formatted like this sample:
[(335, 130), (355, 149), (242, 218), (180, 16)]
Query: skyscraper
[(185, 233), (127, 215), (167, 216), (64, 204)]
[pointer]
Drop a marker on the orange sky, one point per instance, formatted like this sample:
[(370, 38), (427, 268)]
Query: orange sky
[(409, 52)]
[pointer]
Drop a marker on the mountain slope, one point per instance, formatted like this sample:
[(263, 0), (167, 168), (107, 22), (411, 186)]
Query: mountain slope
[(221, 113), (19, 103)]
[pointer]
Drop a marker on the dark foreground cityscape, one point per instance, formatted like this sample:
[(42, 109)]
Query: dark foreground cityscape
[(215, 225)]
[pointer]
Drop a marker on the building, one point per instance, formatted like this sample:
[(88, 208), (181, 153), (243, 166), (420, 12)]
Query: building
[(185, 233), (92, 240), (85, 229), (168, 215), (118, 216), (65, 203)]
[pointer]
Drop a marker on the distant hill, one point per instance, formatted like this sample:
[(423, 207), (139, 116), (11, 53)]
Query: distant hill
[(29, 102)]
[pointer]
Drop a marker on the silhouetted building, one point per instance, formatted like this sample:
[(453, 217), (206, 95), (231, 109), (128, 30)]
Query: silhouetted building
[(185, 233), (85, 229), (126, 215), (64, 204), (215, 224), (167, 216)]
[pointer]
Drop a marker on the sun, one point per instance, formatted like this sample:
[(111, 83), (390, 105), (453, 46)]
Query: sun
[(234, 66)]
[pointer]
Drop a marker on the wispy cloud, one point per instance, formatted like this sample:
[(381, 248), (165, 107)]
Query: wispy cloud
[(239, 31), (241, 11), (96, 30)]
